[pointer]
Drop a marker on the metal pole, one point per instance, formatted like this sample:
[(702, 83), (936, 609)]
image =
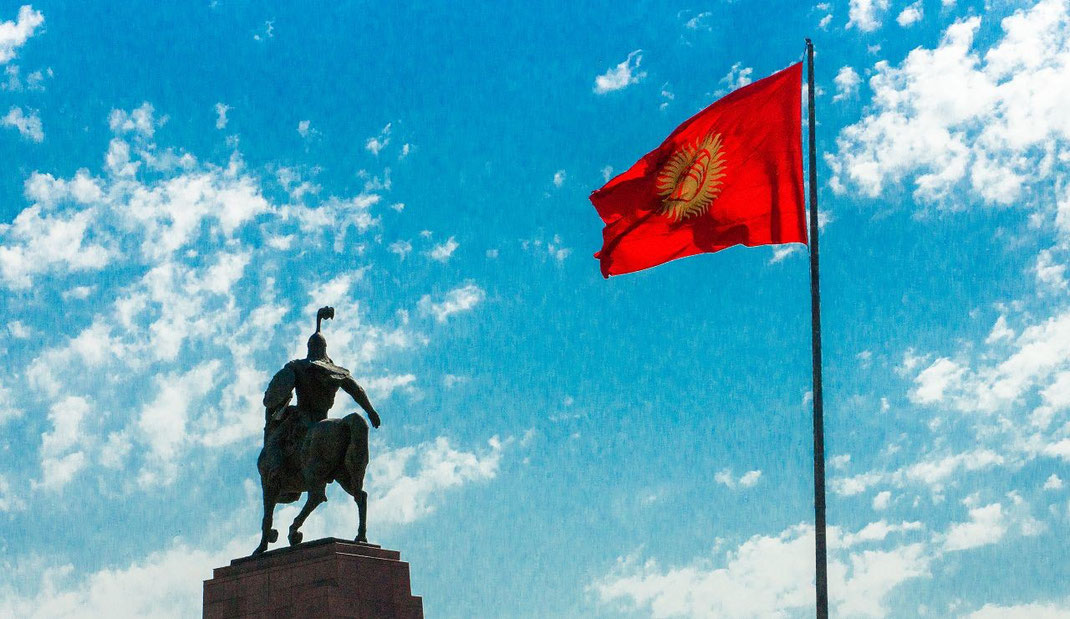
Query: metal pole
[(821, 582)]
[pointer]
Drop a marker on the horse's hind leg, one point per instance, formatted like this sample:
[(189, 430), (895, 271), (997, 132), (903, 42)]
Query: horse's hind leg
[(316, 494), (356, 464), (267, 534), (362, 510)]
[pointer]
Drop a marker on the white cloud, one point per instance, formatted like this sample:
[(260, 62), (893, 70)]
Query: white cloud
[(911, 15), (165, 584), (34, 81), (40, 241), (334, 291), (862, 14), (9, 501), (382, 387), (13, 34), (936, 471), (623, 75), (296, 182), (847, 81), (553, 249), (1033, 359), (1058, 449), (62, 455), (78, 292), (746, 480), (872, 532), (873, 574), (53, 235), (737, 77), (164, 422), (932, 472), (699, 21), (281, 243), (449, 381), (304, 128), (406, 483), (826, 20), (401, 248), (559, 178), (28, 124), (18, 330), (140, 121), (742, 585), (987, 525), (337, 214), (268, 33), (881, 500), (443, 251), (91, 348), (782, 252), (458, 300), (379, 142), (857, 484), (840, 461), (1056, 398), (667, 96), (960, 125), (1053, 482), (221, 110), (749, 479), (1050, 273), (935, 381), (1034, 610), (556, 251), (181, 241), (1000, 331)]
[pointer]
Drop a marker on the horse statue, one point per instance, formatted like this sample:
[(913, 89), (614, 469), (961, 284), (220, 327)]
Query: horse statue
[(303, 449)]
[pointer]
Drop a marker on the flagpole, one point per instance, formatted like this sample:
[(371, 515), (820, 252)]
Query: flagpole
[(821, 558)]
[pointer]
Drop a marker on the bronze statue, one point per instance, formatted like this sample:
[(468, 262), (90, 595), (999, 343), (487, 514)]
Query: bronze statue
[(303, 450)]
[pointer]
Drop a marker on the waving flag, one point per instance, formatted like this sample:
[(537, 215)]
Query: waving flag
[(730, 175)]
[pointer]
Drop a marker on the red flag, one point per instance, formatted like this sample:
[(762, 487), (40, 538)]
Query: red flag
[(731, 174)]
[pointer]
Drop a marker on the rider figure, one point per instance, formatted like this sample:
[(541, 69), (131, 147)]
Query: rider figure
[(316, 379)]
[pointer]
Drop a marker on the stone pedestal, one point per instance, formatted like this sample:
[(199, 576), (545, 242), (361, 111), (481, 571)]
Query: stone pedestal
[(324, 578)]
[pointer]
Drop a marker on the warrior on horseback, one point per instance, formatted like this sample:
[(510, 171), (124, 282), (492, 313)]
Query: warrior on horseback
[(303, 450)]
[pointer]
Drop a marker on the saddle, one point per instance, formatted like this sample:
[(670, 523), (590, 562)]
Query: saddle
[(286, 429)]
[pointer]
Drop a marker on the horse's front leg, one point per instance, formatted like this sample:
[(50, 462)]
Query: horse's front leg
[(267, 534), (316, 495)]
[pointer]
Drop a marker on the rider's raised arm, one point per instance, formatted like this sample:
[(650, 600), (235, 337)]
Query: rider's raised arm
[(351, 387)]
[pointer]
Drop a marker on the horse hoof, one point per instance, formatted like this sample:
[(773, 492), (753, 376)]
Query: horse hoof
[(259, 550), (296, 537), (361, 539), (273, 536)]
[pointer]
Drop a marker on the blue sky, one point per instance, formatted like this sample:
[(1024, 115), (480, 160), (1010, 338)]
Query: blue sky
[(183, 188)]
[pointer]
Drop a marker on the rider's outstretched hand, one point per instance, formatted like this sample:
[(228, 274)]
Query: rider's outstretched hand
[(374, 416)]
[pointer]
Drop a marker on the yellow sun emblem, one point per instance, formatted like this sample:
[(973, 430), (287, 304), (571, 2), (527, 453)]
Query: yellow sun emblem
[(691, 179)]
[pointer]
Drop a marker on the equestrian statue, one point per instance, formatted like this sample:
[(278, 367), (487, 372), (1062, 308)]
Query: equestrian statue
[(303, 449)]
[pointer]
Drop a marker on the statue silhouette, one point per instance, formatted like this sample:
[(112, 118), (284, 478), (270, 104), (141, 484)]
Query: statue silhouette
[(303, 449)]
